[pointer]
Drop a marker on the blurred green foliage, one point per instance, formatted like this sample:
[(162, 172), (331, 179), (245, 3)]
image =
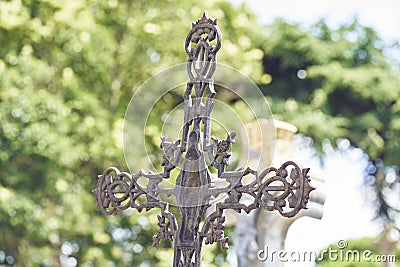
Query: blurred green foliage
[(69, 68), (338, 84), (335, 84)]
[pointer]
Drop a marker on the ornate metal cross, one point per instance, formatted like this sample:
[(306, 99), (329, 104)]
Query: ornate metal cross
[(285, 189)]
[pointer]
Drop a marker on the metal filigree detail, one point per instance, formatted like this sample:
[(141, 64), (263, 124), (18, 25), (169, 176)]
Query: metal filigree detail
[(171, 155), (222, 147), (288, 197), (216, 233), (167, 228), (120, 190), (285, 189)]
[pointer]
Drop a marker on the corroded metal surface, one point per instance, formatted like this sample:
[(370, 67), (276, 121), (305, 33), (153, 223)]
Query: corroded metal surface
[(285, 189)]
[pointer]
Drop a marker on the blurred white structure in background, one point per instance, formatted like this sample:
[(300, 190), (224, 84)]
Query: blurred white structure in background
[(261, 229)]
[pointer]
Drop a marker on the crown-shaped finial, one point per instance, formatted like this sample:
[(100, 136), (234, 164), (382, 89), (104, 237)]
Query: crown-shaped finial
[(205, 19)]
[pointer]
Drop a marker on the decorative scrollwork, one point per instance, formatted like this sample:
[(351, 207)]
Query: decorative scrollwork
[(217, 233), (287, 194), (204, 31), (167, 228), (222, 147), (292, 192), (120, 190), (113, 190), (272, 189), (171, 155)]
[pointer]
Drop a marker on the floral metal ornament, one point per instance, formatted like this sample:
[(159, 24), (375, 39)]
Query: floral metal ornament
[(285, 189)]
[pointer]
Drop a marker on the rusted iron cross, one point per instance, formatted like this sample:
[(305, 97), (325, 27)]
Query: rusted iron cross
[(285, 189)]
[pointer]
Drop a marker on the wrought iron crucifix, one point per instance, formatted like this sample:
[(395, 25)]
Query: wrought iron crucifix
[(285, 189)]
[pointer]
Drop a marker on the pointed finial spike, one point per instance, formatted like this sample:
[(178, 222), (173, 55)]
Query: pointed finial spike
[(205, 19)]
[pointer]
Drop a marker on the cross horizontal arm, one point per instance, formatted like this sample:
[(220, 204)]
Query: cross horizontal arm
[(120, 190), (288, 198)]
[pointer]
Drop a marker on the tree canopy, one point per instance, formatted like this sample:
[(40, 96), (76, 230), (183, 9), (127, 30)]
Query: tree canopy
[(338, 84)]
